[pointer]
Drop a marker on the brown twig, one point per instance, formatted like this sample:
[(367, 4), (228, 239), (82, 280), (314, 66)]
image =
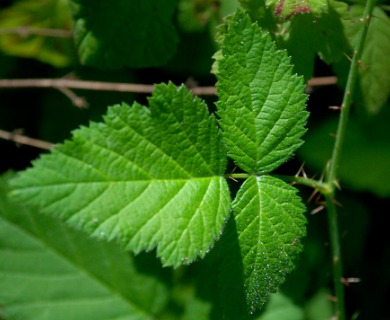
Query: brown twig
[(25, 31), (120, 87), (77, 101), (64, 86), (322, 81), (20, 139)]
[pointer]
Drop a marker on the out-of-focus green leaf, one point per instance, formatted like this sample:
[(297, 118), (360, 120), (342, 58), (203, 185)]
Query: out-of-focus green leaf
[(365, 155), (195, 15), (281, 307), (374, 69), (260, 13), (306, 36), (114, 34), (319, 307), (49, 271), (23, 31)]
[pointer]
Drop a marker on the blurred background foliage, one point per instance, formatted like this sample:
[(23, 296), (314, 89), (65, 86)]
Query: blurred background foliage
[(36, 42)]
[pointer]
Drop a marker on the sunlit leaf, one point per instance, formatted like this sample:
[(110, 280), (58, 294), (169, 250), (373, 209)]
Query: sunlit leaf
[(145, 178), (261, 102)]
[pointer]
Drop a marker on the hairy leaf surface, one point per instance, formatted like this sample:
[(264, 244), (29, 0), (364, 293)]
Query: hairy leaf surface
[(124, 32), (50, 271), (269, 222), (145, 178), (261, 102)]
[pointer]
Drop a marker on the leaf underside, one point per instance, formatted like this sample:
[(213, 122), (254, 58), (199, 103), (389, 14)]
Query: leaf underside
[(145, 178), (261, 102)]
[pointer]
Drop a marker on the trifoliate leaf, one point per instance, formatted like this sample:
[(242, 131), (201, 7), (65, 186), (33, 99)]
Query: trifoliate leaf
[(261, 103), (124, 32), (146, 178), (50, 271), (34, 19), (269, 223)]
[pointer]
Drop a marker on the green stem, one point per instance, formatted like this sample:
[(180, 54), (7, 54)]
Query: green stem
[(331, 178), (347, 99), (322, 187)]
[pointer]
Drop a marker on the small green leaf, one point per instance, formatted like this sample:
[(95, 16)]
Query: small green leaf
[(49, 271), (36, 17), (269, 222), (144, 178), (124, 32), (261, 103)]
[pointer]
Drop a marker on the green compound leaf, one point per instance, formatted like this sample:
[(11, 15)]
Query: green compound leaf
[(146, 178), (124, 32), (269, 222), (50, 271), (261, 103)]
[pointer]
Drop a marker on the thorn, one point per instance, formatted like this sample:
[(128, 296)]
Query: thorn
[(336, 107), (231, 178), (362, 66), (337, 184), (301, 170), (348, 281), (315, 191), (347, 56), (337, 203), (332, 298), (316, 210)]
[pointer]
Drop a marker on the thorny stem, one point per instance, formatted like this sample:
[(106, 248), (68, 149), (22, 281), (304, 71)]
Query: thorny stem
[(331, 178)]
